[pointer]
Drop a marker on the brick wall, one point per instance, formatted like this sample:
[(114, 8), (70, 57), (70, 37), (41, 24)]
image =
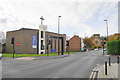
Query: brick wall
[(24, 38), (74, 44)]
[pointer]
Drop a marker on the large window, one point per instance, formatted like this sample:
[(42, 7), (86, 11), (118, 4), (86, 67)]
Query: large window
[(41, 34), (42, 46)]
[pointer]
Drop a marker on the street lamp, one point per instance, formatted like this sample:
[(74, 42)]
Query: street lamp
[(107, 28), (58, 34)]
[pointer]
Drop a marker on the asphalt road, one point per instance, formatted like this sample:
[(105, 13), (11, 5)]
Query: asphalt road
[(78, 65)]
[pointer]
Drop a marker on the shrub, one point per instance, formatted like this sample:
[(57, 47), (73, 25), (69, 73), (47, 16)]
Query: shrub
[(113, 47)]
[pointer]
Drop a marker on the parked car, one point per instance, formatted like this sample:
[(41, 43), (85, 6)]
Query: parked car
[(105, 49), (87, 49), (1, 56), (96, 49), (83, 50)]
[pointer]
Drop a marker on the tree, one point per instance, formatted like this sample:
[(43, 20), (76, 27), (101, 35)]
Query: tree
[(114, 37), (88, 42), (2, 37)]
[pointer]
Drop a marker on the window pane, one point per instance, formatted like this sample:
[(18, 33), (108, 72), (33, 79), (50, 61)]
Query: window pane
[(41, 34)]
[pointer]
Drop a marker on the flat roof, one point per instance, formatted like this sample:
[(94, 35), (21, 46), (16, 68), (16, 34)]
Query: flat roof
[(33, 29)]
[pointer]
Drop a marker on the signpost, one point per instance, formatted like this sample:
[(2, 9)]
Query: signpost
[(12, 42), (53, 50)]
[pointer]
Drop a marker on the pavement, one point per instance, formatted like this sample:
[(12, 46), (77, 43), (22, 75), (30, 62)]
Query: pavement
[(112, 72)]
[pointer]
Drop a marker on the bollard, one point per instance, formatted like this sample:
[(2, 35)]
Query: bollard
[(106, 68), (118, 59), (14, 54), (109, 62)]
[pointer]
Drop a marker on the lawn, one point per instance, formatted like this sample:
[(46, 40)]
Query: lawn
[(31, 55)]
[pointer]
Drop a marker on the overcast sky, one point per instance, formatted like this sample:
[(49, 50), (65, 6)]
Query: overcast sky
[(78, 17)]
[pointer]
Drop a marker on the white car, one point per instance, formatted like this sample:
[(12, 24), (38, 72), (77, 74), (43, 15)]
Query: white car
[(105, 49), (0, 56), (96, 49)]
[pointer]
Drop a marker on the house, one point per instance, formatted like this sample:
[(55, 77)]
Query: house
[(75, 43)]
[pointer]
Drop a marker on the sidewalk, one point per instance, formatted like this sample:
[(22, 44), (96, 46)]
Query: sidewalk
[(112, 72)]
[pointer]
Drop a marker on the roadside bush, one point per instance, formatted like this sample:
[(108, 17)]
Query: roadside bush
[(113, 47)]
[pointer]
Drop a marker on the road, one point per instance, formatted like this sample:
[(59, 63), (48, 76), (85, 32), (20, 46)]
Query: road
[(78, 65)]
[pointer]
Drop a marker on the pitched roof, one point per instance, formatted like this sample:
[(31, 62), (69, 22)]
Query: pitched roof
[(74, 36)]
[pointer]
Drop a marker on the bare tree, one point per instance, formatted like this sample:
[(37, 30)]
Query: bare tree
[(2, 37)]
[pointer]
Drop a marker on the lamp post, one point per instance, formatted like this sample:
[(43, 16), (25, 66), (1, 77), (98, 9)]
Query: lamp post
[(58, 35), (107, 29)]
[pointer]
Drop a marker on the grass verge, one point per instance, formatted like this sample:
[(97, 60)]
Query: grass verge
[(32, 55)]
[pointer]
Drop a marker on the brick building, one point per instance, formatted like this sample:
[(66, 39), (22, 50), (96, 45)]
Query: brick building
[(96, 39), (75, 43), (23, 41)]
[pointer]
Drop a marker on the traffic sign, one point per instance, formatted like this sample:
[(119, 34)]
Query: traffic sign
[(17, 44), (53, 50)]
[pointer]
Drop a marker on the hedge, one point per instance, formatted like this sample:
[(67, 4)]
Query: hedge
[(113, 47)]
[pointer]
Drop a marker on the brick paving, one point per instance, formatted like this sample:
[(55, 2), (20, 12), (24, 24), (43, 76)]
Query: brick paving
[(25, 58), (112, 71)]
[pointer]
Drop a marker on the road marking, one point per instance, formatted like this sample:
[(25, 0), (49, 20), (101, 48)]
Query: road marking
[(94, 73)]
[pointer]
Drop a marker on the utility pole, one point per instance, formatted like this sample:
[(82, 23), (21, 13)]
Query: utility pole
[(58, 35), (107, 29), (13, 42)]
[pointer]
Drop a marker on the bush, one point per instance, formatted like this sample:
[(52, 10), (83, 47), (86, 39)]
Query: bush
[(113, 47)]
